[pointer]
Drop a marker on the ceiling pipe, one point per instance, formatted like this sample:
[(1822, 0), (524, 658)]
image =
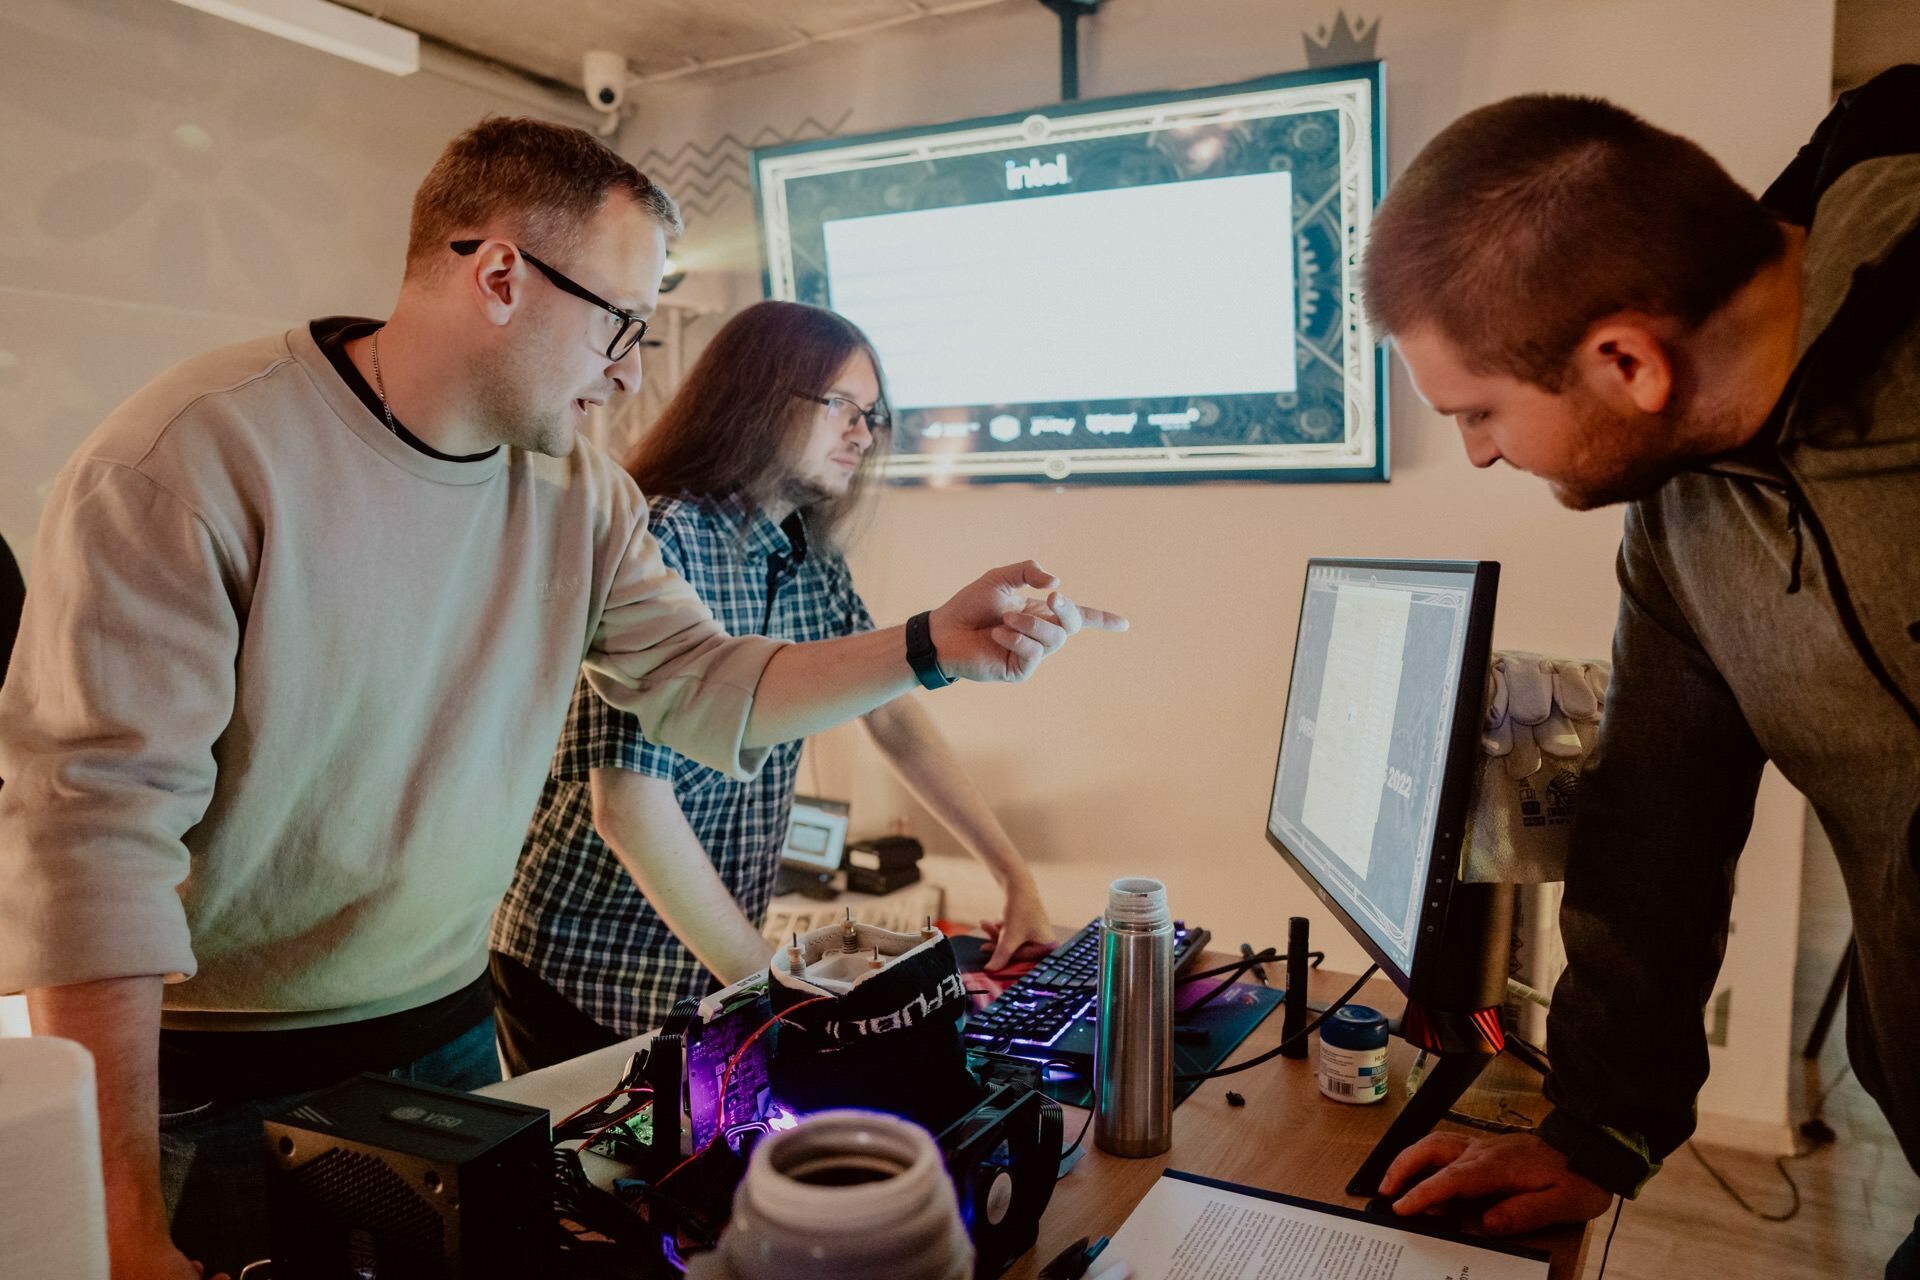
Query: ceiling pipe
[(550, 98), (916, 11)]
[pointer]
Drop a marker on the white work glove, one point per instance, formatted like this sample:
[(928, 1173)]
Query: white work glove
[(1540, 707)]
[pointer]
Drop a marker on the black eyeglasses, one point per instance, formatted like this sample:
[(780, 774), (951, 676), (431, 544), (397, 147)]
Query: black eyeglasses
[(626, 336), (842, 411)]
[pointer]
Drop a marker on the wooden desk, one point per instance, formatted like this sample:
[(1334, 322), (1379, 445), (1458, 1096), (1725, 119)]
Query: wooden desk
[(1287, 1138)]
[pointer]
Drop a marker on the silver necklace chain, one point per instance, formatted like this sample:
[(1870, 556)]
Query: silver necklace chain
[(380, 385)]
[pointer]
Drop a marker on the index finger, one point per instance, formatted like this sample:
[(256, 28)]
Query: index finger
[(1101, 619), (1433, 1151), (1481, 1179)]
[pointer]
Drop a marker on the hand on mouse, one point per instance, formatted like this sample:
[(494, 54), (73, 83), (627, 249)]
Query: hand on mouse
[(1523, 1183)]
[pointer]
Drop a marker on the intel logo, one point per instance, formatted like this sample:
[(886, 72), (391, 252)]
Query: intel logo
[(1038, 173)]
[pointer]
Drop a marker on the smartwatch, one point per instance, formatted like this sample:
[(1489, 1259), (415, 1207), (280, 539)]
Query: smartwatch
[(922, 656)]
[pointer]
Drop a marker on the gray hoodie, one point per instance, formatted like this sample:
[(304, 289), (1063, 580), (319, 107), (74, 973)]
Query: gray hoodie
[(1770, 610)]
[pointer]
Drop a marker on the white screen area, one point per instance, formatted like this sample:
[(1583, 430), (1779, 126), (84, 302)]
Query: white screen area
[(1174, 290), (1353, 725), (816, 837)]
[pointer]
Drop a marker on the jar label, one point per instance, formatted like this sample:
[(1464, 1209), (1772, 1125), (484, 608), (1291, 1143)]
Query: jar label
[(1353, 1075)]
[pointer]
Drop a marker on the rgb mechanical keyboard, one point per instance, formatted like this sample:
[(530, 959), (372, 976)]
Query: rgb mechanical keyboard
[(1048, 1013)]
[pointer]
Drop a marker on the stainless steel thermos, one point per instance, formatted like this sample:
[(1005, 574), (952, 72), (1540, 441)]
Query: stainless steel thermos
[(1133, 1043)]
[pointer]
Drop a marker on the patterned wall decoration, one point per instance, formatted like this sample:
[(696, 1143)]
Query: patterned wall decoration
[(705, 178), (1343, 43)]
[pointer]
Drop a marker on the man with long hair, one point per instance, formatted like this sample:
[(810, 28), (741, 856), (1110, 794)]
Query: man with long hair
[(645, 875), (1597, 302), (303, 621)]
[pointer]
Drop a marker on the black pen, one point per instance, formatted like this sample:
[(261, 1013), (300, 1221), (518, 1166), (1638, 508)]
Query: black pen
[(1259, 974)]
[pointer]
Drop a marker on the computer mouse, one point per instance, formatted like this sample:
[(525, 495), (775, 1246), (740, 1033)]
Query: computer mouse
[(1449, 1214), (1383, 1203)]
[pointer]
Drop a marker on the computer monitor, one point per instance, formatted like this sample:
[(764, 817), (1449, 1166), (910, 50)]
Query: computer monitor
[(1379, 750)]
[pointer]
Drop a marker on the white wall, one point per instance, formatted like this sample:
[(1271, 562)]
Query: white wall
[(170, 182), (1153, 752)]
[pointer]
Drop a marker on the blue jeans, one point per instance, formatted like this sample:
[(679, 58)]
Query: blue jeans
[(1905, 1262), (213, 1166)]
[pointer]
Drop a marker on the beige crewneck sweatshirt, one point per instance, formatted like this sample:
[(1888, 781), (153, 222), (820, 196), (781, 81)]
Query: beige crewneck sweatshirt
[(286, 690)]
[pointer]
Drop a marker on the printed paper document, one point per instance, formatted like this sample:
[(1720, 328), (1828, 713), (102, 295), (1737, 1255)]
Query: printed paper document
[(1191, 1228)]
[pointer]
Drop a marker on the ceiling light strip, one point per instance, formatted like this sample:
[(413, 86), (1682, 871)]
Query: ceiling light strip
[(330, 28)]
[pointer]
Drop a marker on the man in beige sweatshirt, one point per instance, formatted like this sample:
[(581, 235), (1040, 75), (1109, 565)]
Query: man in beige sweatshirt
[(302, 623)]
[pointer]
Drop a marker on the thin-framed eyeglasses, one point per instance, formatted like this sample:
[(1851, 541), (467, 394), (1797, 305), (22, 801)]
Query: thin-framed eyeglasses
[(842, 411), (626, 335)]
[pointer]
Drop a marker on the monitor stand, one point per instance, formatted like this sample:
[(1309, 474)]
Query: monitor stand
[(1463, 1045)]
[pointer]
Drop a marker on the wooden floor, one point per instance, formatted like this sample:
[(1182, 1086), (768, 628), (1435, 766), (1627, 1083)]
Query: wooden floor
[(1859, 1195)]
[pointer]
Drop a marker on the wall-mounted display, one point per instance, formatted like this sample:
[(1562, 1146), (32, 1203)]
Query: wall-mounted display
[(1153, 288)]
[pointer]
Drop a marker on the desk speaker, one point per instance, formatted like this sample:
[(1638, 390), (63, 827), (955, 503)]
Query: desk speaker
[(384, 1179)]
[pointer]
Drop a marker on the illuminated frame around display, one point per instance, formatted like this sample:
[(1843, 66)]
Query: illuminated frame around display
[(1333, 427)]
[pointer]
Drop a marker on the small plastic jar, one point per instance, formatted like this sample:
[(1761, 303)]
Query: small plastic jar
[(1353, 1055)]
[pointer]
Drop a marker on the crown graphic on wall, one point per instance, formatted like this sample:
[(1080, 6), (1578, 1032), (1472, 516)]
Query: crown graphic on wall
[(1342, 43)]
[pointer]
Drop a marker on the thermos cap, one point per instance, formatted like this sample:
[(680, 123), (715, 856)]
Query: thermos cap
[(1355, 1026), (1138, 901)]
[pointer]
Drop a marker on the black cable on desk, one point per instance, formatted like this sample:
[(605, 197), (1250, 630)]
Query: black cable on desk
[(1291, 1040), (1236, 970)]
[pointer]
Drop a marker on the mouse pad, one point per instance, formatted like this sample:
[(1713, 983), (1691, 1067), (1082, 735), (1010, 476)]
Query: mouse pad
[(1202, 1039)]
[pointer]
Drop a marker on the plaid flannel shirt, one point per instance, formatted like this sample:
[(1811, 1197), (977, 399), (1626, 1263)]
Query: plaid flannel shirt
[(573, 914)]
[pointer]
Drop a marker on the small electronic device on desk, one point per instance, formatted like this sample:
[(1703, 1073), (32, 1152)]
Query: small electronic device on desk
[(816, 844), (881, 865)]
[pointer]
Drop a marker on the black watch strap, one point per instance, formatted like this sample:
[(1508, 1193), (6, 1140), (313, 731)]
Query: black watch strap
[(922, 656)]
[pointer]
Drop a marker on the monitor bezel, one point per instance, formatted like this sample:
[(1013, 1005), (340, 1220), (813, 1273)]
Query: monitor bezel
[(1457, 781)]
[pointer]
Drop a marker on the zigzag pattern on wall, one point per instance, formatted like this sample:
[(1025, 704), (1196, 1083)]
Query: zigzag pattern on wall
[(704, 178)]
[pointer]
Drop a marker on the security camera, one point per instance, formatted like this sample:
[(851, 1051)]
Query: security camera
[(604, 75)]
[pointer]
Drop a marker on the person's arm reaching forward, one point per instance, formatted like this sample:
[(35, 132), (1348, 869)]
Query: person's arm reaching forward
[(723, 700), (992, 631), (641, 820), (921, 757)]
